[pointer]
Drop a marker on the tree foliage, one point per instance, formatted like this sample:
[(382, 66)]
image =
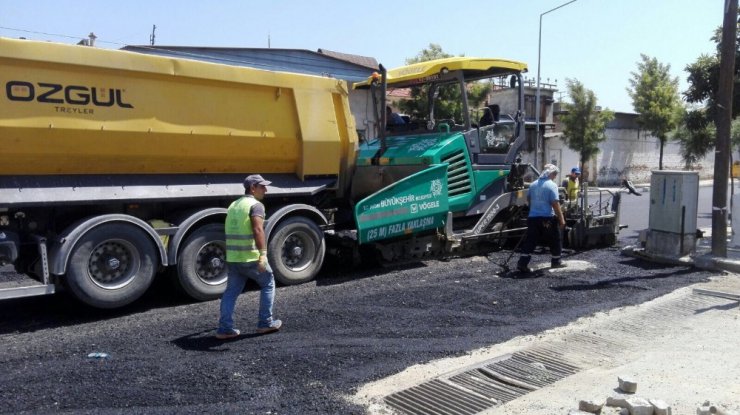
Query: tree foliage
[(448, 104), (703, 79), (583, 124), (697, 134), (434, 51), (655, 97)]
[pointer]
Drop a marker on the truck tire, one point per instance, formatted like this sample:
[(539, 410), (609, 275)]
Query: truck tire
[(201, 263), (111, 265), (296, 250)]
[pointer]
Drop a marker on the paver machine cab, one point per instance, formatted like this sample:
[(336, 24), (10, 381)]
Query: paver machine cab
[(434, 187)]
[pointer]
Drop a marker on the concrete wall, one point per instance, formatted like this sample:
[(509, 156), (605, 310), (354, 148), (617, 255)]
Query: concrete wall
[(628, 153), (361, 105), (506, 99), (624, 155)]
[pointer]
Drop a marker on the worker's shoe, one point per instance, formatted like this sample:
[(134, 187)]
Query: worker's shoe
[(274, 326), (523, 269), (230, 334), (557, 264)]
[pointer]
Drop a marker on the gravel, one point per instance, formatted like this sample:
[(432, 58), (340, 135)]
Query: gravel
[(350, 327)]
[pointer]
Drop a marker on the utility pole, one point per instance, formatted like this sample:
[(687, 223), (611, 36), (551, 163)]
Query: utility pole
[(151, 37), (724, 120), (538, 110)]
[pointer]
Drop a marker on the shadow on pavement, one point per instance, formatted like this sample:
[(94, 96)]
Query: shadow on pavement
[(620, 282), (205, 341)]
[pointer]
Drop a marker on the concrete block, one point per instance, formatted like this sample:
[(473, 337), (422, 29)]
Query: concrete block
[(593, 406), (639, 406), (627, 384), (703, 410), (617, 400), (612, 410), (660, 407), (670, 244)]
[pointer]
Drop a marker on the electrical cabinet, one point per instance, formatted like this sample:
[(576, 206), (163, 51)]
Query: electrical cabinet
[(674, 199)]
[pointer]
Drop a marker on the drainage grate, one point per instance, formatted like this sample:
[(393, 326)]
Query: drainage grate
[(498, 382), (438, 397), (527, 374), (553, 362), (480, 383)]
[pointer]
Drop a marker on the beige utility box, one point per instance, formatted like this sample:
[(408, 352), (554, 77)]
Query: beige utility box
[(674, 199)]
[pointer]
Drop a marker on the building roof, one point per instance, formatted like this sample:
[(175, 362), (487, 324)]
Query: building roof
[(364, 61), (284, 60)]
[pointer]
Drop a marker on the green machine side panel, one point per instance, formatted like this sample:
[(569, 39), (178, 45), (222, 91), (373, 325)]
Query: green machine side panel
[(413, 204)]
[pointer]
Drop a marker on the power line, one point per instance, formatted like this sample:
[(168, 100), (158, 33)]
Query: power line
[(57, 35)]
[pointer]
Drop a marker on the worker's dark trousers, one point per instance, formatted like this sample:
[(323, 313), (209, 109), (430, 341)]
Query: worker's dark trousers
[(545, 230)]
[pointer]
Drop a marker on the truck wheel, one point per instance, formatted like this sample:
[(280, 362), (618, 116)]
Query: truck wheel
[(296, 250), (112, 265), (201, 263)]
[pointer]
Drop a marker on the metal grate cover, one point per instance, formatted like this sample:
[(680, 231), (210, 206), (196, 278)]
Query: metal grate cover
[(438, 397), (484, 387)]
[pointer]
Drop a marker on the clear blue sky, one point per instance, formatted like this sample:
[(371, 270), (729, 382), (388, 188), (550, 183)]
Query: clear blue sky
[(595, 41)]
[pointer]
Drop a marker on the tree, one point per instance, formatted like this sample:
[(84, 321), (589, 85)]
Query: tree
[(583, 124), (703, 79), (433, 52), (655, 97), (447, 105), (695, 132)]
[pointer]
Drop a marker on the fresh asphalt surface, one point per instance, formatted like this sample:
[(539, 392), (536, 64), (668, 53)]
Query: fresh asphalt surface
[(349, 327)]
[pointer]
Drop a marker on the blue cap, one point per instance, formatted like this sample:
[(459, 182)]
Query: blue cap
[(575, 170)]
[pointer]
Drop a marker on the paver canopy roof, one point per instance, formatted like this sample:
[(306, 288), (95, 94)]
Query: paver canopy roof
[(444, 70)]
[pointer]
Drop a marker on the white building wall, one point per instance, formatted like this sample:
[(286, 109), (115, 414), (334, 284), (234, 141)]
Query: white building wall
[(361, 105), (626, 154)]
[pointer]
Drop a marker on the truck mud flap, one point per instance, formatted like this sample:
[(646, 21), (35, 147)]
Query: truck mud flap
[(414, 204)]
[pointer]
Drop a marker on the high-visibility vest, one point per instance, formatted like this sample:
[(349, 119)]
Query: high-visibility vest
[(240, 244), (572, 189)]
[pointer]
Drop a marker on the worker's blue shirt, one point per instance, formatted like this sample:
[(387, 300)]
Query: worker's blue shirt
[(396, 119), (541, 195)]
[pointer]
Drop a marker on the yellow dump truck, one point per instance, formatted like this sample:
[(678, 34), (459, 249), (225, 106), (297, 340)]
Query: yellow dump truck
[(107, 154), (117, 166)]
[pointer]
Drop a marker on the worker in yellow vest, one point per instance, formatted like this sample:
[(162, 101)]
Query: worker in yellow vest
[(246, 258), (572, 184)]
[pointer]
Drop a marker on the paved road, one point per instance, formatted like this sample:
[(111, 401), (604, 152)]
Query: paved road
[(348, 328)]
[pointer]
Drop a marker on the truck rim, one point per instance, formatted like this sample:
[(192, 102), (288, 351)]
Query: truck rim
[(113, 264), (210, 264), (298, 251)]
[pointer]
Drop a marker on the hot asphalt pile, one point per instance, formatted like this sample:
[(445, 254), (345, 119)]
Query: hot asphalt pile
[(348, 328)]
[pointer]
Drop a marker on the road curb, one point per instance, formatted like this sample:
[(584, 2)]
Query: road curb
[(706, 262), (641, 253), (714, 263)]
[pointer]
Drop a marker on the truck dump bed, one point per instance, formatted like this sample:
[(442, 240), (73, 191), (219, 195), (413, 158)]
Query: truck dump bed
[(76, 110)]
